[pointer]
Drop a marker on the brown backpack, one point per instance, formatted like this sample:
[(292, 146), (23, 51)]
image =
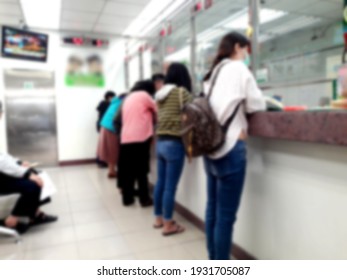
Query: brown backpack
[(202, 134)]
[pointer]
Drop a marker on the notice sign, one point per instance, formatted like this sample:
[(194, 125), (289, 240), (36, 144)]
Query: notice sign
[(85, 72)]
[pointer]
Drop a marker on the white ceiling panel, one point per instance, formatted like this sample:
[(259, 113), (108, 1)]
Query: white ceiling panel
[(10, 20), (110, 20), (78, 26), (293, 5), (82, 17), (123, 9), (138, 2), (10, 9), (321, 9), (112, 29), (84, 5), (9, 1)]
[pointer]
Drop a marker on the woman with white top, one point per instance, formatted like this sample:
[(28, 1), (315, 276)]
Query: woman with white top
[(226, 168)]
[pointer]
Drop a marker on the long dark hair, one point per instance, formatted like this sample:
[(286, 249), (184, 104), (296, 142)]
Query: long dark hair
[(227, 49), (178, 75), (145, 85)]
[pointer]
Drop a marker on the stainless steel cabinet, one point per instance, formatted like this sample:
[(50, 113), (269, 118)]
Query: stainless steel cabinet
[(31, 115)]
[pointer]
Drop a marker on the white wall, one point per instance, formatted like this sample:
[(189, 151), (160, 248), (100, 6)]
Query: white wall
[(294, 203), (76, 107)]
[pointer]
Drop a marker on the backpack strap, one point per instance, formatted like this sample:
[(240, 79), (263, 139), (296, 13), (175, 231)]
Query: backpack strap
[(180, 96), (228, 122), (215, 77)]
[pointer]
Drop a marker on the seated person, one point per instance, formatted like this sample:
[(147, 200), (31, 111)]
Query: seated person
[(18, 178)]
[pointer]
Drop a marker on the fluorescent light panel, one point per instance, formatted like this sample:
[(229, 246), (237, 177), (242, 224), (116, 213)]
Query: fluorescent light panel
[(173, 7), (182, 54), (42, 13), (298, 23), (154, 13), (266, 15), (238, 20)]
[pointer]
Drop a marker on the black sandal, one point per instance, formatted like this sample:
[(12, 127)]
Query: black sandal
[(42, 219), (21, 228)]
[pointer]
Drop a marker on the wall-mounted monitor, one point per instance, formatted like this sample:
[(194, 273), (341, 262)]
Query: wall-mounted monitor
[(23, 44)]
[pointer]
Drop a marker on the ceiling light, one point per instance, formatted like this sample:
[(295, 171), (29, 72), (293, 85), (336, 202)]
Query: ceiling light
[(211, 34), (179, 56), (157, 20), (152, 15), (265, 16), (42, 13), (297, 23)]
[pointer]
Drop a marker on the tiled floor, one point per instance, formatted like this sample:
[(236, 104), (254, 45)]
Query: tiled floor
[(94, 225)]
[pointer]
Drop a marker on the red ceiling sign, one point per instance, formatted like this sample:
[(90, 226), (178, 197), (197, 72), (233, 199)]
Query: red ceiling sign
[(208, 4)]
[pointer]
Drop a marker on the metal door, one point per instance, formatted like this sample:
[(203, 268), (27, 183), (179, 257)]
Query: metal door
[(31, 115)]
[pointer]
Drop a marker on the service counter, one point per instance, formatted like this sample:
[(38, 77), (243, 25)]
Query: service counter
[(294, 203), (327, 127)]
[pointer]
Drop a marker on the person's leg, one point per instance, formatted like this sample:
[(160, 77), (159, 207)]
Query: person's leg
[(144, 196), (143, 154), (159, 187), (29, 201), (174, 154), (210, 216), (229, 190), (128, 174), (112, 170), (128, 189)]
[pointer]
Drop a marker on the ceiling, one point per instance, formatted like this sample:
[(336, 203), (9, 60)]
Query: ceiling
[(114, 16), (98, 16)]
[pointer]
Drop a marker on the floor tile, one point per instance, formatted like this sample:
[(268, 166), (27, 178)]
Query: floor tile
[(147, 240), (93, 224), (96, 230), (104, 248), (92, 216), (41, 238), (135, 224), (86, 205), (197, 249), (166, 253), (63, 252), (10, 250)]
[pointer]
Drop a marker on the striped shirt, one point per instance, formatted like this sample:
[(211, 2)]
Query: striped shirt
[(169, 110)]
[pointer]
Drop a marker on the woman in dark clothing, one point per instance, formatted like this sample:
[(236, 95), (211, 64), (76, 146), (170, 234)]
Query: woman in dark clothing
[(138, 116), (103, 106), (102, 109)]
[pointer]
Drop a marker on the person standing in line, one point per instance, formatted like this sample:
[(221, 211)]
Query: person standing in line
[(170, 150), (108, 147), (101, 109), (137, 117), (158, 80), (226, 168)]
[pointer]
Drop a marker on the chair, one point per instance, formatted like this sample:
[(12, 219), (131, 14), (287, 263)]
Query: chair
[(6, 205)]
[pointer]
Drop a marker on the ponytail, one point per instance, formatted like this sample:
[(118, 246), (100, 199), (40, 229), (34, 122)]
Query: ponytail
[(227, 49)]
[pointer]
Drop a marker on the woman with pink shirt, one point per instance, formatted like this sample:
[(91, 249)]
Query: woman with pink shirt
[(138, 116)]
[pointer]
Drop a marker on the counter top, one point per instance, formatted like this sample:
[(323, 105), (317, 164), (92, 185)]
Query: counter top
[(327, 127)]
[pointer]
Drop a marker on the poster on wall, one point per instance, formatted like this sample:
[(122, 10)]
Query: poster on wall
[(85, 71)]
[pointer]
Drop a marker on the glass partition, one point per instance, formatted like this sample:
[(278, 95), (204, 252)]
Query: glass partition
[(301, 51), (300, 44)]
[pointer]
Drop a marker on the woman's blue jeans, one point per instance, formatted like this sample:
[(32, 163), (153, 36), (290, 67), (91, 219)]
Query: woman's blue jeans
[(170, 160), (225, 184)]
